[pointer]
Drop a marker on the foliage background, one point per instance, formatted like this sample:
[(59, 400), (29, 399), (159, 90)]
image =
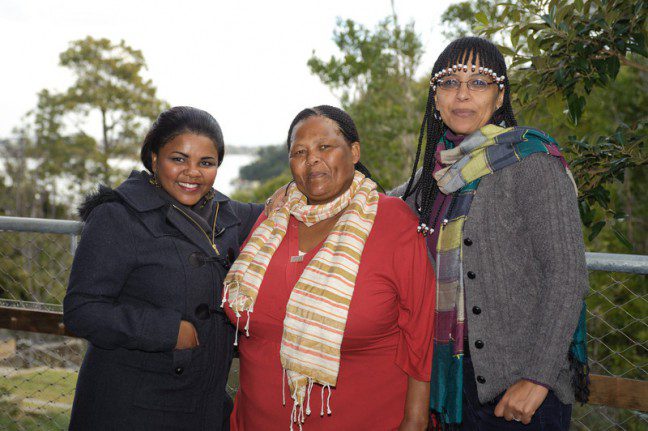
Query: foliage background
[(579, 70)]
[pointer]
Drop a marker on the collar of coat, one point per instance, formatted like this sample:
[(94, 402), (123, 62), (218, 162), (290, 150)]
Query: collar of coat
[(136, 191), (139, 196)]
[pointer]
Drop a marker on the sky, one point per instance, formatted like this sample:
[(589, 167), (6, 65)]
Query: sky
[(242, 61)]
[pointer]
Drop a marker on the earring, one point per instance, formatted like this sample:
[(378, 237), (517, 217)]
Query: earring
[(154, 180), (437, 115)]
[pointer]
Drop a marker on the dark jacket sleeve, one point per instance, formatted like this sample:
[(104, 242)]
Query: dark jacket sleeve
[(247, 213), (547, 201), (92, 308)]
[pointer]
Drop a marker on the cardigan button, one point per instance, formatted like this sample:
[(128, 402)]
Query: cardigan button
[(476, 310), (468, 242), (471, 275), (481, 379), (479, 344), (179, 370)]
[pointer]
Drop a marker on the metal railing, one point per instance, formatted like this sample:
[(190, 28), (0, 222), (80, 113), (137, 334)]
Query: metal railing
[(39, 360)]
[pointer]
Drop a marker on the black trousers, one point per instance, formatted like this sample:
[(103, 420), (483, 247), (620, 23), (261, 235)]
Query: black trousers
[(552, 415)]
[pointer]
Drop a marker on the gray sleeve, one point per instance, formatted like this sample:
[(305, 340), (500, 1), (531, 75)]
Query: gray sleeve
[(548, 205), (399, 191)]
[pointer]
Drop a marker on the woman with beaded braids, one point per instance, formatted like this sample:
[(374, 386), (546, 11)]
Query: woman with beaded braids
[(334, 297), (497, 205)]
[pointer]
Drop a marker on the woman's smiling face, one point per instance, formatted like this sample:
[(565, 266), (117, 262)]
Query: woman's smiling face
[(186, 167), (322, 162), (465, 111)]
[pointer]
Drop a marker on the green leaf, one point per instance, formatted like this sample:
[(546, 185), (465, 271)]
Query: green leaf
[(515, 37), (548, 19), (596, 229), (624, 240), (505, 50), (481, 17)]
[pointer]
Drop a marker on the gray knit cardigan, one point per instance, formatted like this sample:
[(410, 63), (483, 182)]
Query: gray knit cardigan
[(527, 254)]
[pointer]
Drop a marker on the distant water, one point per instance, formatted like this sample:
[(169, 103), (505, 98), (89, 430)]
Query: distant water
[(229, 171)]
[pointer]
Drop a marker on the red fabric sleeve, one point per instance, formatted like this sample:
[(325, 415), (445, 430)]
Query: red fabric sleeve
[(416, 287)]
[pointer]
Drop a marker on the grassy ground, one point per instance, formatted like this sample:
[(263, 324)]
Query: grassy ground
[(36, 399), (17, 420), (48, 385)]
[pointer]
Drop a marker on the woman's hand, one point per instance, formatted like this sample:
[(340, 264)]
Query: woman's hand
[(187, 336), (417, 400), (276, 201), (520, 401)]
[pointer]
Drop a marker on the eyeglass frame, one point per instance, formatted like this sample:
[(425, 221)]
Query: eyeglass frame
[(478, 90)]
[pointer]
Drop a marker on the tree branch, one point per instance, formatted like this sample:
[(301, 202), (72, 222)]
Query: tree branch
[(623, 59)]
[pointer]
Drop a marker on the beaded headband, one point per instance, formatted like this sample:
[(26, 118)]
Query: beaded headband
[(459, 67)]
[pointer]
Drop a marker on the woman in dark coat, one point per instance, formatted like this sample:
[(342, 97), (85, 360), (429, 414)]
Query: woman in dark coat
[(146, 283)]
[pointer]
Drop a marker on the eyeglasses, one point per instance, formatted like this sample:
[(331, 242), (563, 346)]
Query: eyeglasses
[(475, 84)]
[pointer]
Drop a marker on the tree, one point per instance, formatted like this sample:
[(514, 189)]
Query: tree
[(561, 53), (57, 154), (108, 80), (271, 161), (374, 77)]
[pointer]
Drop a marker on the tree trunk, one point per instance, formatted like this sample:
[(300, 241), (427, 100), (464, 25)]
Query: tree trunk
[(106, 148), (628, 198)]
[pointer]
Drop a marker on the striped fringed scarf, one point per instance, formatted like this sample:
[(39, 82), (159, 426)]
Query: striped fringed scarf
[(486, 151), (317, 309)]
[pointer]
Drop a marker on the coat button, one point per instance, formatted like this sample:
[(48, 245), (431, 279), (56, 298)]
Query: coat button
[(179, 370), (202, 311), (196, 259), (471, 275), (468, 242), (481, 379), (479, 344), (476, 310)]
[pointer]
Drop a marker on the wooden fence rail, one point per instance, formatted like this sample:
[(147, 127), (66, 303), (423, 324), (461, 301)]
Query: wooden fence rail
[(604, 390)]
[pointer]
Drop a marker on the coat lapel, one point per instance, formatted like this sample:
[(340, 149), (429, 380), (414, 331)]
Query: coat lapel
[(191, 231)]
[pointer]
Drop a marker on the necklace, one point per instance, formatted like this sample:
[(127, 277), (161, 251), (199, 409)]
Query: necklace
[(212, 240)]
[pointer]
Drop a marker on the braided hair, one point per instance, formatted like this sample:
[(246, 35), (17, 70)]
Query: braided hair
[(460, 51), (345, 125)]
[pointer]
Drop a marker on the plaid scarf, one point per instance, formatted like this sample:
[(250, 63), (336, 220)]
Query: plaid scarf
[(318, 306), (486, 151)]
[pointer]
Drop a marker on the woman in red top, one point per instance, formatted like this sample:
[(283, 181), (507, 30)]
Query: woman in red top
[(316, 357)]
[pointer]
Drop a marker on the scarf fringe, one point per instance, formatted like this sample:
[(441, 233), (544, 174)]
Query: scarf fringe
[(437, 424), (298, 413), (580, 379)]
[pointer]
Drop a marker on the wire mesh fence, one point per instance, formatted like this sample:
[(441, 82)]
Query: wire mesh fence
[(38, 372), (617, 328)]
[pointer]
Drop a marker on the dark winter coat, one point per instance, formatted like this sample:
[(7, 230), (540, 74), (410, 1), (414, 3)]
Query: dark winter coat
[(140, 268)]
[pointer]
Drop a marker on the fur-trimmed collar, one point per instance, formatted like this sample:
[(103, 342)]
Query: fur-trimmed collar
[(136, 192)]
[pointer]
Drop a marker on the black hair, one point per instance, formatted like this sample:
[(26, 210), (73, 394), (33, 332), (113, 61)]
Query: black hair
[(345, 124), (176, 121), (459, 51)]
